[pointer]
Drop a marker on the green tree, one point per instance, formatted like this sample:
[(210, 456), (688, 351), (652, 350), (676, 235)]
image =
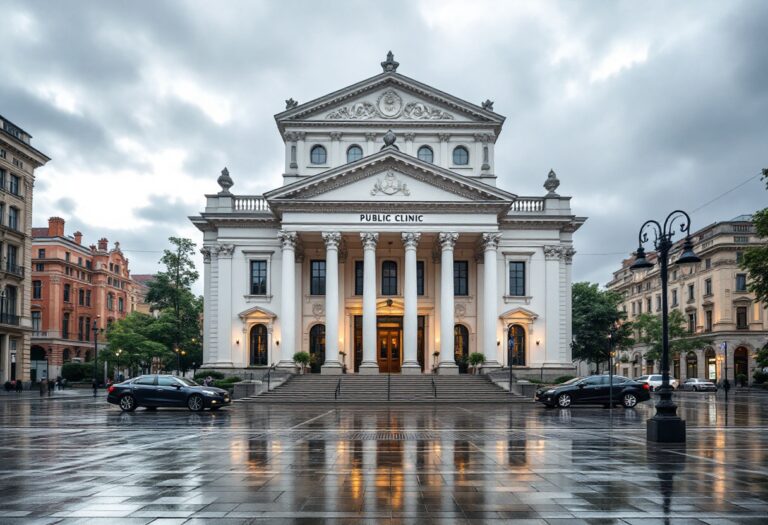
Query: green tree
[(755, 259), (136, 339), (648, 328), (595, 312)]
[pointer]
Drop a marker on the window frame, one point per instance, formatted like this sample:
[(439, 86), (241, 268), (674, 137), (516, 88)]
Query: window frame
[(257, 255), (37, 289), (421, 274), (517, 280), (456, 149), (425, 147), (457, 278), (359, 277), (318, 147), (318, 272), (389, 278), (251, 282), (349, 150), (740, 278)]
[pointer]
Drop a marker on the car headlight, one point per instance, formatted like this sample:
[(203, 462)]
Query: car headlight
[(210, 393), (549, 392)]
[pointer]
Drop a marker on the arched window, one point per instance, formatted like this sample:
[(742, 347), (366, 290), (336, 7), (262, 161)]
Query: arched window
[(37, 353), (318, 155), (389, 278), (460, 156), (425, 153), (691, 365), (316, 347), (65, 356), (461, 347), (259, 355), (354, 152), (516, 345), (741, 363)]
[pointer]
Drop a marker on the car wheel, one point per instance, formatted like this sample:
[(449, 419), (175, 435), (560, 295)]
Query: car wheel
[(564, 400), (128, 403), (629, 400), (195, 403)]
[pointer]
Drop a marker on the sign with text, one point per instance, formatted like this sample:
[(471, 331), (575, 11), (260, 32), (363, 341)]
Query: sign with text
[(392, 217)]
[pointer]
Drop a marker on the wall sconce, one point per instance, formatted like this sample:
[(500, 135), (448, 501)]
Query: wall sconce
[(237, 342), (277, 343), (498, 343), (538, 342)]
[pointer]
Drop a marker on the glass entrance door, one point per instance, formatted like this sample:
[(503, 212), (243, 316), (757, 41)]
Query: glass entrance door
[(389, 350)]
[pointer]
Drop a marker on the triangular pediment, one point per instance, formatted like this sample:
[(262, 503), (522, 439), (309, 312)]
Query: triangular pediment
[(389, 97), (390, 176)]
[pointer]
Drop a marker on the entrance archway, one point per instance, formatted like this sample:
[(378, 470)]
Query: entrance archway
[(316, 347), (741, 363), (461, 347), (259, 355), (691, 365), (710, 364), (516, 345)]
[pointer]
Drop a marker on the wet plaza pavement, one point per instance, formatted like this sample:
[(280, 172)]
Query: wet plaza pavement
[(80, 460)]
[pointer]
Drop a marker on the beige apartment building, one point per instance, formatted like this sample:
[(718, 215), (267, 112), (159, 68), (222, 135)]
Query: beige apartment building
[(18, 161), (713, 298)]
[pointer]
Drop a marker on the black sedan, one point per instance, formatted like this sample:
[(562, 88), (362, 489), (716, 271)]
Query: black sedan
[(594, 390), (154, 391)]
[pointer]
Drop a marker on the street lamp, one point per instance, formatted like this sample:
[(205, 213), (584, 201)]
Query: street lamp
[(611, 342), (119, 351), (178, 361), (95, 354), (665, 426)]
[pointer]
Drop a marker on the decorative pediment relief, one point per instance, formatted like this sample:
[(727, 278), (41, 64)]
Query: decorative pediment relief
[(257, 312), (389, 104)]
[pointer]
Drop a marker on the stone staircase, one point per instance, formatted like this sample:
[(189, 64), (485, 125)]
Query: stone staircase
[(317, 388)]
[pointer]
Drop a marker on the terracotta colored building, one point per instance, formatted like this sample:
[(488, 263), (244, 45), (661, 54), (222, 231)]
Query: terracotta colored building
[(139, 294), (72, 286)]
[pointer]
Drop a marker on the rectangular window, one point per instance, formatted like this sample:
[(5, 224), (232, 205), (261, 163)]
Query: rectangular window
[(691, 322), (37, 318), (81, 297), (67, 292), (67, 256), (739, 257), (707, 263), (65, 326), (79, 261), (11, 256), (389, 278), (708, 320), (517, 278), (39, 267), (658, 303), (634, 308), (2, 213), (691, 293), (41, 253), (258, 277), (88, 265), (87, 298), (461, 278), (317, 277), (37, 289), (648, 303), (708, 287), (741, 318), (359, 277), (674, 297), (120, 304), (639, 307), (2, 180), (13, 218), (80, 326), (87, 328), (741, 282), (13, 187), (419, 277)]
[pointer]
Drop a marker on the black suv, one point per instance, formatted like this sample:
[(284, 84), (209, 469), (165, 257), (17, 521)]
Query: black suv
[(154, 391), (594, 390)]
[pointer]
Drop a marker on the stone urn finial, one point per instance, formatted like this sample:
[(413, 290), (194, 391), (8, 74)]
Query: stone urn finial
[(389, 138), (551, 184), (225, 181), (488, 105), (290, 103), (389, 64)]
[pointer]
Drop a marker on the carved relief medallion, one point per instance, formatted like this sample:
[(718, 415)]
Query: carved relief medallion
[(390, 185), (390, 104)]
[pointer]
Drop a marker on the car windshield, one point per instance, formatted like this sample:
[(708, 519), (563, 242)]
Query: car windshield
[(186, 381), (572, 381)]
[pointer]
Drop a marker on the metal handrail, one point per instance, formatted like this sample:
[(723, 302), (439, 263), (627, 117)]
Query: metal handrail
[(337, 392), (268, 375), (434, 387)]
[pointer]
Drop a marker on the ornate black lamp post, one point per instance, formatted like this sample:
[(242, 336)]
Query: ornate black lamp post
[(666, 426)]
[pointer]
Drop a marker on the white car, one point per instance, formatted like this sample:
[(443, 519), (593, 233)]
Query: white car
[(654, 381)]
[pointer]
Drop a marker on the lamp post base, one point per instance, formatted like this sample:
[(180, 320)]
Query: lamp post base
[(665, 430)]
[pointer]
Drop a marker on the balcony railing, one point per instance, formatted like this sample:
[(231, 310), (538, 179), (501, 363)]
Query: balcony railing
[(15, 269), (250, 203), (528, 204), (7, 318)]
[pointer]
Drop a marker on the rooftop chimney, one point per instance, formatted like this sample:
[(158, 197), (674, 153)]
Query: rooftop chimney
[(103, 244), (55, 227), (78, 237)]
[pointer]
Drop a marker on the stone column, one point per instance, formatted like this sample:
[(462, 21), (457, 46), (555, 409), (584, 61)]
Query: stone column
[(410, 314), (331, 365), (287, 299), (369, 143), (444, 138), (447, 362), (552, 256), (409, 143), (369, 365), (207, 306), (490, 300), (335, 152), (301, 159), (224, 351)]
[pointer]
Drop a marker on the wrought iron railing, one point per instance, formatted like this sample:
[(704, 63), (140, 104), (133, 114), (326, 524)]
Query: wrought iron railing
[(7, 318), (337, 392)]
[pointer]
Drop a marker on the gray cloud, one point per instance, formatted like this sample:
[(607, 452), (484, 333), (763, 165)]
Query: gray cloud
[(108, 88)]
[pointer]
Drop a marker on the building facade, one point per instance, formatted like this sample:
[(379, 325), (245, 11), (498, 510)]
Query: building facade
[(139, 291), (18, 161), (713, 298), (73, 287), (389, 247)]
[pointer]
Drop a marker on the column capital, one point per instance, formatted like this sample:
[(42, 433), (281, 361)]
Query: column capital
[(288, 239), (225, 250), (370, 136), (332, 239), (299, 135), (206, 251), (553, 252), (408, 137), (448, 240), (568, 254), (410, 239), (490, 241), (444, 137), (369, 240), (336, 135)]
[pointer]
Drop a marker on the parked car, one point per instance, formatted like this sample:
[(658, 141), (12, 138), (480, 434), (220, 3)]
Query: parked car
[(654, 381), (594, 390), (699, 385), (152, 391)]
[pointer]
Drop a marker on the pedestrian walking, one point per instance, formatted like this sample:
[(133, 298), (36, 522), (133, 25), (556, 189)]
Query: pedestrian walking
[(95, 387), (43, 387), (19, 386), (51, 385), (58, 382)]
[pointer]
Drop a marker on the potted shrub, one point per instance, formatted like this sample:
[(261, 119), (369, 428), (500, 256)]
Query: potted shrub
[(741, 379), (302, 360), (476, 359), (463, 364)]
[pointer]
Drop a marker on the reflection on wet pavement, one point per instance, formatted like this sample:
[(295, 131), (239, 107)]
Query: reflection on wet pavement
[(82, 461)]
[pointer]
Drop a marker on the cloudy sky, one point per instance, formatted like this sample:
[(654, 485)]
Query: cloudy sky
[(640, 107)]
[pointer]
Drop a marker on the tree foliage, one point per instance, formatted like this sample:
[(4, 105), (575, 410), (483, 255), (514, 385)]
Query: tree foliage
[(136, 337), (755, 259), (648, 328), (595, 312)]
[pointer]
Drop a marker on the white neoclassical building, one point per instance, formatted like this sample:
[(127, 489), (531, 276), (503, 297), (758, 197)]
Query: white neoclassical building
[(388, 248)]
